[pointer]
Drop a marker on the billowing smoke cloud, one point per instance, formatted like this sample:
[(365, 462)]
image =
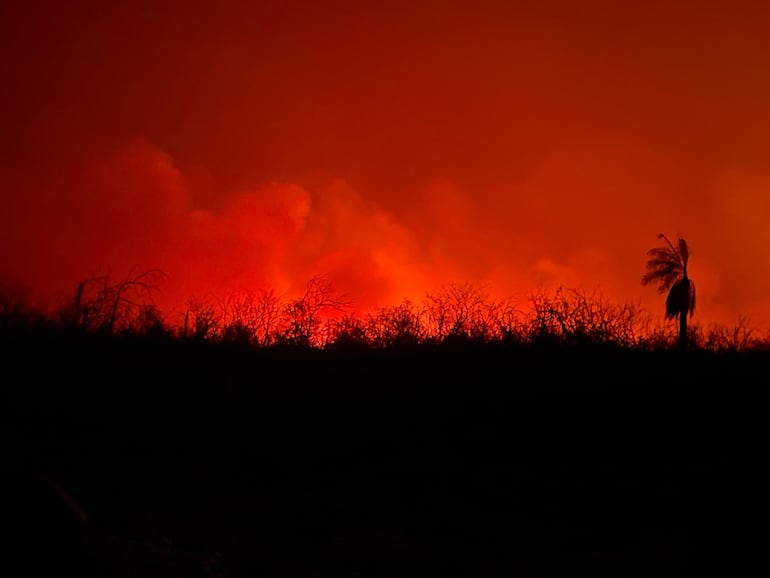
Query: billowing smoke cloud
[(392, 150), (133, 209)]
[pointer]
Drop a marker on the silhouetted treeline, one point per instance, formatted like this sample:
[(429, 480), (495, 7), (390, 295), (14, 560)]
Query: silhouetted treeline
[(460, 436), (462, 315)]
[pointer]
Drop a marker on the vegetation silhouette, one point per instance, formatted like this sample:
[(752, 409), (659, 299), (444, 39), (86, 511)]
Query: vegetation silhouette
[(462, 435), (322, 319), (667, 268)]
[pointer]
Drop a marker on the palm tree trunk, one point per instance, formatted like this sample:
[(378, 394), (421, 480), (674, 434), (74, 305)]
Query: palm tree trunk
[(682, 330)]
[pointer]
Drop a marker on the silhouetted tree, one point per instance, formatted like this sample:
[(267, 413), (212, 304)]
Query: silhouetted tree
[(740, 337), (148, 322), (399, 325), (667, 268), (573, 316), (101, 306), (265, 312), (459, 310), (349, 333), (250, 317), (303, 315), (199, 321)]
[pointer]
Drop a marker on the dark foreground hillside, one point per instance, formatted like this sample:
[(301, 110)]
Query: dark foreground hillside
[(458, 462)]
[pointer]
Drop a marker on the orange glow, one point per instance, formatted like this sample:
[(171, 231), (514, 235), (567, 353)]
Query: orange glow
[(250, 145)]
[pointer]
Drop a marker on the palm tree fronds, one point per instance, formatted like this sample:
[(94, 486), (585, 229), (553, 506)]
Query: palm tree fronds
[(663, 266), (667, 268), (663, 282), (663, 271), (680, 299), (671, 246), (663, 254)]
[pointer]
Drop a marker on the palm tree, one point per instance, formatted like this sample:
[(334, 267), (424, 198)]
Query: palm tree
[(667, 268)]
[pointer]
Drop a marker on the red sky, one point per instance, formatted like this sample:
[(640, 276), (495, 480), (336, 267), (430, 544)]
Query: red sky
[(392, 147)]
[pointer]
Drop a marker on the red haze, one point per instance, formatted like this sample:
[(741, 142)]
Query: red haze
[(247, 145)]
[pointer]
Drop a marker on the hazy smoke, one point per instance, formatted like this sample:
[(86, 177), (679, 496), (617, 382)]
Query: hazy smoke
[(135, 208)]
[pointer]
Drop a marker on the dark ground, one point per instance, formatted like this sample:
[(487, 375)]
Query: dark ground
[(421, 465)]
